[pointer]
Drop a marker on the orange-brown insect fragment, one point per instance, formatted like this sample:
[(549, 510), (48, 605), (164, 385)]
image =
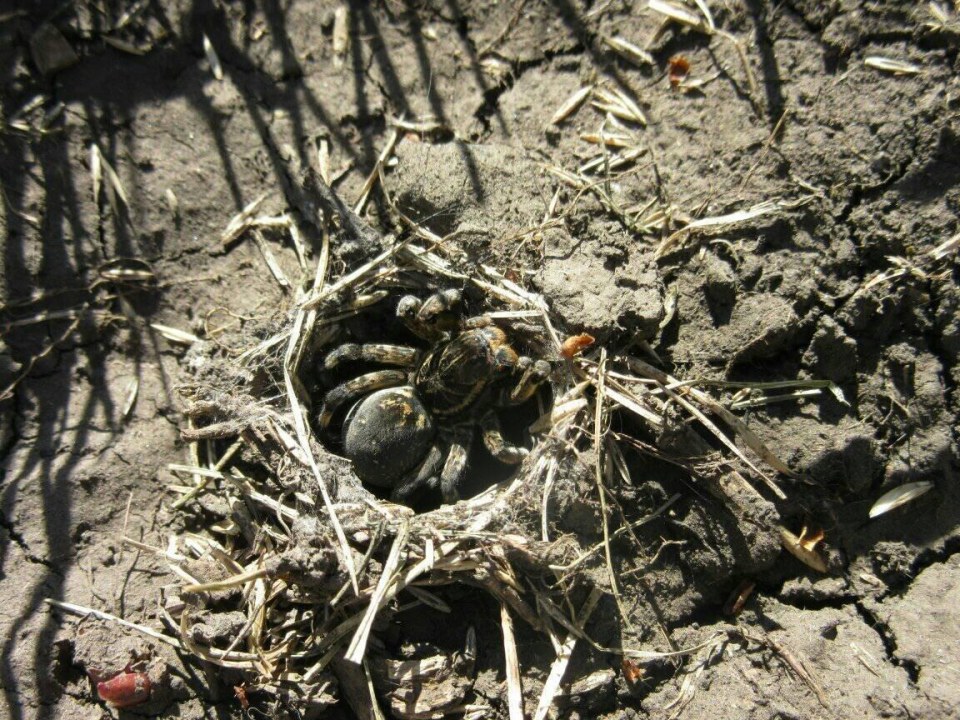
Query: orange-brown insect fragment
[(576, 344), (241, 692), (632, 671), (678, 67)]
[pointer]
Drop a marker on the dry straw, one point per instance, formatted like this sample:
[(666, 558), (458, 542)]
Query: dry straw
[(314, 569)]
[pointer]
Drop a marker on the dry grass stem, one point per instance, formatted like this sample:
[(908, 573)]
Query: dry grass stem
[(677, 391), (240, 222), (270, 260), (390, 571), (82, 611), (551, 687), (733, 219), (919, 268), (374, 175), (341, 33), (274, 503), (100, 169), (514, 685)]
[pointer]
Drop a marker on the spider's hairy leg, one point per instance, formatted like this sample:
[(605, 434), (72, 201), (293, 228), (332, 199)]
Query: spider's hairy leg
[(534, 374), (503, 450), (364, 300), (439, 303), (516, 327), (425, 475), (371, 352), (455, 465), (430, 318), (355, 389)]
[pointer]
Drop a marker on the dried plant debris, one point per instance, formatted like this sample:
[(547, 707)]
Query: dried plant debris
[(685, 16), (629, 51), (804, 547), (304, 560), (933, 265), (215, 67), (891, 65), (901, 495), (571, 105)]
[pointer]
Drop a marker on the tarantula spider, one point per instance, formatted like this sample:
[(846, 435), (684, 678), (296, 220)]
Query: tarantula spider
[(412, 427)]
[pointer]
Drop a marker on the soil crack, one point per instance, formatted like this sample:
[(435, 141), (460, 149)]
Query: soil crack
[(22, 543), (888, 640)]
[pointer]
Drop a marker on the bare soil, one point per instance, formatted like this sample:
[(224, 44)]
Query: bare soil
[(865, 166)]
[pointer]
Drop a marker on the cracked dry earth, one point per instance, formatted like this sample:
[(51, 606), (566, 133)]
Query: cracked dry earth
[(865, 166)]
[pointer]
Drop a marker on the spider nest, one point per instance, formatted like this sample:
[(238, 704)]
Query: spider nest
[(296, 571)]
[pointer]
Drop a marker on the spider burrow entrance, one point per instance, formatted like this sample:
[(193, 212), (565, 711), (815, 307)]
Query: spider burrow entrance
[(428, 403)]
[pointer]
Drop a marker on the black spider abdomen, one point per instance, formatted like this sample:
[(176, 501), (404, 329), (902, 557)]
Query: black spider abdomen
[(387, 434)]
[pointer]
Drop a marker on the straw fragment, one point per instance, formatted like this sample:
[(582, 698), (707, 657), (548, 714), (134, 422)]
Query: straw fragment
[(175, 335), (358, 644), (551, 687), (514, 686), (341, 33), (901, 495), (271, 260), (133, 387), (240, 222), (682, 15), (629, 51), (890, 65), (215, 67), (82, 611), (571, 105)]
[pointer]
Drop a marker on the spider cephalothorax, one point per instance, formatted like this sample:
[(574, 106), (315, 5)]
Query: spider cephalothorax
[(412, 426)]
